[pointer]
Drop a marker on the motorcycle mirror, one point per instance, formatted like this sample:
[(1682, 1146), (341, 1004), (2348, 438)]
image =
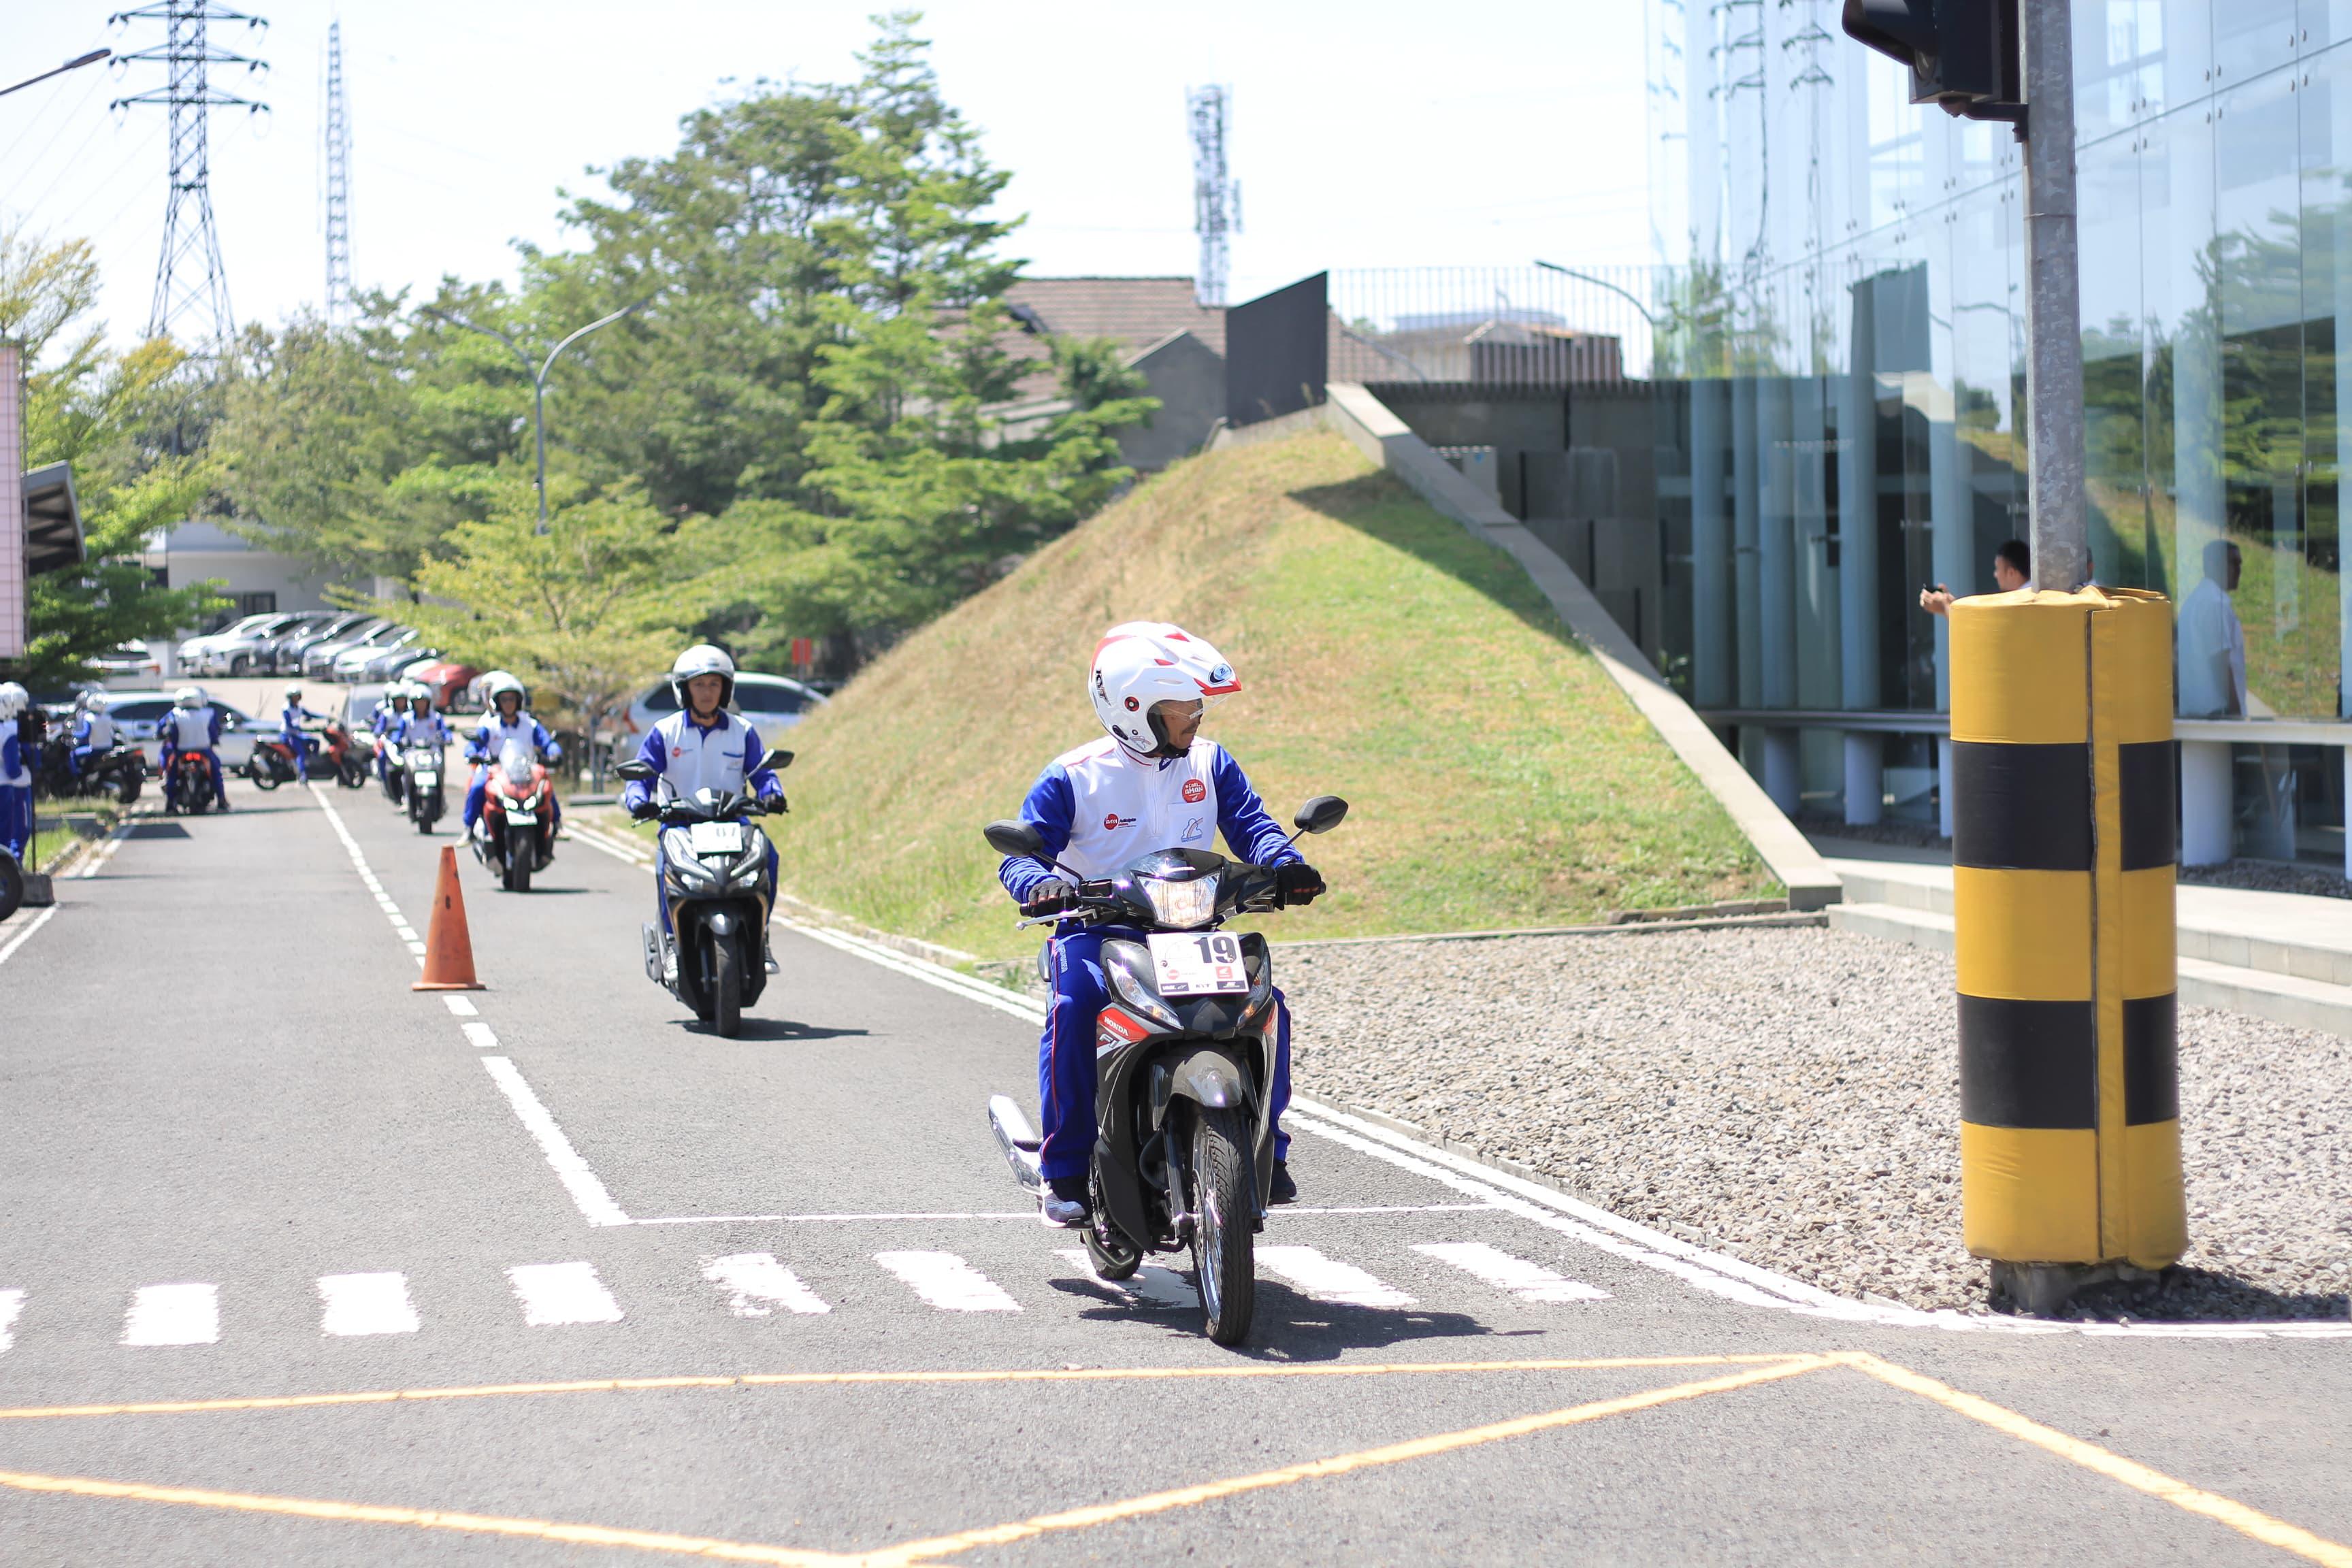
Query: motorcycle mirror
[(1018, 838), (634, 772), (1320, 815), (777, 758)]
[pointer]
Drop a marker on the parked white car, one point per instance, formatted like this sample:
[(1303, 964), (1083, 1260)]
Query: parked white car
[(191, 654), (136, 714), (768, 703)]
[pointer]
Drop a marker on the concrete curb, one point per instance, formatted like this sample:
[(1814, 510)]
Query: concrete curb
[(1782, 921), (1369, 425)]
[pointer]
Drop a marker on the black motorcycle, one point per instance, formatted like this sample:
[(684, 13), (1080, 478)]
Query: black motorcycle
[(117, 774), (421, 786), (714, 958), (1184, 1051)]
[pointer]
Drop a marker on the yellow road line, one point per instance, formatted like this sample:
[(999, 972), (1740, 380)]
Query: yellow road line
[(2245, 1520), (426, 1518), (804, 1379), (1394, 1453)]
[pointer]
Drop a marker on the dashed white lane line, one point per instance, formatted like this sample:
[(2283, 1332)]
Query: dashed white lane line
[(12, 1303), (479, 1036), (400, 926), (1329, 1280), (948, 1282), (173, 1315), (99, 856), (1153, 1284), (596, 1205), (358, 1304), (555, 1294), (756, 1285), (1527, 1281), (461, 1006), (25, 934)]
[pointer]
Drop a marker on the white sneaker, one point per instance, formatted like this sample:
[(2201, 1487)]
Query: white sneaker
[(1059, 1213)]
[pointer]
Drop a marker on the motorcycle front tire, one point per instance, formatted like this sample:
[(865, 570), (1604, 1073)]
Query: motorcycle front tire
[(517, 870), (263, 775), (1225, 1223), (353, 774), (727, 985), (1108, 1251)]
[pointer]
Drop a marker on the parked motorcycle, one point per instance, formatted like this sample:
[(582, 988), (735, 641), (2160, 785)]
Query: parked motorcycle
[(272, 762), (117, 774), (1183, 1064), (714, 958), (194, 775), (419, 770), (518, 823)]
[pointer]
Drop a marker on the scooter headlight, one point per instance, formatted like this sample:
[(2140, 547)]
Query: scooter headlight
[(1182, 905), (1129, 969)]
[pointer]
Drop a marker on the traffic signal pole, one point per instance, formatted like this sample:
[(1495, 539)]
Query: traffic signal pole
[(2054, 369)]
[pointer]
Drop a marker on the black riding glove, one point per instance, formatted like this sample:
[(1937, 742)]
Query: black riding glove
[(773, 805), (1049, 898), (645, 811), (1296, 883)]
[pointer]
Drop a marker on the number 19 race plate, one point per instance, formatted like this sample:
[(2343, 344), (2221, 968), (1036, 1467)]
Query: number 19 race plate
[(1203, 966)]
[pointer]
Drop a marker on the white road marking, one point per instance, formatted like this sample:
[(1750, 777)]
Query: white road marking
[(12, 1303), (479, 1036), (357, 1304), (1029, 1214), (173, 1315), (104, 852), (553, 1294), (26, 935), (756, 1285), (1153, 1284), (1327, 1279), (971, 990), (595, 1204), (948, 1282), (1527, 1281), (463, 1006), (400, 926)]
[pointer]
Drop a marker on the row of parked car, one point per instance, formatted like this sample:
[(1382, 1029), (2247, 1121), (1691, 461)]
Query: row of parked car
[(325, 645)]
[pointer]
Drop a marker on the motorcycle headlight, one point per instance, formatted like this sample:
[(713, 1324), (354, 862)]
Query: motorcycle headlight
[(1182, 905), (1129, 969)]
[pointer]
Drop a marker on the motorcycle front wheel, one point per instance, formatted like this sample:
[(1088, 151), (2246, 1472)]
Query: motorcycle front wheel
[(1225, 1223), (518, 869), (726, 986), (264, 777), (353, 774)]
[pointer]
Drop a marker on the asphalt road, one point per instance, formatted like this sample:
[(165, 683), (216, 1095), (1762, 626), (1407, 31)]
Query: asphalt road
[(297, 1265)]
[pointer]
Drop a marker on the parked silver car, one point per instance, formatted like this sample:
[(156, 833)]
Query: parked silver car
[(769, 703), (249, 652), (190, 655), (288, 655), (318, 663), (354, 663)]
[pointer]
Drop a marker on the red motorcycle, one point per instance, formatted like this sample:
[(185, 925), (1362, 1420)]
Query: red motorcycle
[(272, 762), (192, 778), (518, 825)]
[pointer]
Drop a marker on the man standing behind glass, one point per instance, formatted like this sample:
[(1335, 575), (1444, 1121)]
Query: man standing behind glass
[(2211, 649)]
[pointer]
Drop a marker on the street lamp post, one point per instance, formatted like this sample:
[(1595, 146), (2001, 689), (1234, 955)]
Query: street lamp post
[(538, 380), (90, 59)]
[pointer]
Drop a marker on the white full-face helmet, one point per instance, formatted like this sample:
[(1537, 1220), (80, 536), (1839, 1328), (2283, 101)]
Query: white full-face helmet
[(188, 697), (497, 684), (703, 658), (13, 699), (1140, 663)]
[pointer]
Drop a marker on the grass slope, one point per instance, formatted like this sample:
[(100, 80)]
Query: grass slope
[(1498, 777)]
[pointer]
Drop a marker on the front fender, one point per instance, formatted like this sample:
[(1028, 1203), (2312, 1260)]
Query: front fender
[(1214, 1076), (720, 921)]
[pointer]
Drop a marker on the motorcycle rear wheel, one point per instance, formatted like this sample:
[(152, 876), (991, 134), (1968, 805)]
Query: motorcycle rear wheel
[(726, 986), (264, 777), (352, 775), (1224, 1201)]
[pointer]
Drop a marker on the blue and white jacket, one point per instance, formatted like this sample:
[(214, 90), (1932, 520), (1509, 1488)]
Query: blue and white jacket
[(492, 735), (190, 729), (432, 730), (16, 767), (693, 757), (1098, 808)]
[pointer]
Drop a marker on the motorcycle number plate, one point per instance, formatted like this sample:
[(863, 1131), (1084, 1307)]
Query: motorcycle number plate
[(716, 837), (520, 818), (427, 780), (1206, 965)]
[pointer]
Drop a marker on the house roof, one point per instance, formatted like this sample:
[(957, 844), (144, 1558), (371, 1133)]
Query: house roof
[(1135, 312)]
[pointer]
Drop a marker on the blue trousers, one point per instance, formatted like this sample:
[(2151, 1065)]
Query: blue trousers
[(16, 818), (79, 759), (172, 780), (1066, 1054), (300, 744)]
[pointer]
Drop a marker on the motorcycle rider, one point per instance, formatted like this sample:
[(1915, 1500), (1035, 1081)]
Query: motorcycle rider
[(93, 730), (701, 746), (193, 725), (290, 729), (383, 719), (421, 726), (507, 719), (1152, 784), (16, 772)]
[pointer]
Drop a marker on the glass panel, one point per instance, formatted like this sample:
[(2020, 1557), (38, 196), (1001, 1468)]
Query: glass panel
[(2115, 388), (2251, 37), (2323, 103)]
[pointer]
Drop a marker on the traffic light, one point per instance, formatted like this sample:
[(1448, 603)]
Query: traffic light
[(1963, 53)]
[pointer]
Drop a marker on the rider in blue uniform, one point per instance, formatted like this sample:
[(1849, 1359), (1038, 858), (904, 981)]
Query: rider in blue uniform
[(16, 772), (93, 730), (701, 746), (192, 725), (290, 729), (507, 721)]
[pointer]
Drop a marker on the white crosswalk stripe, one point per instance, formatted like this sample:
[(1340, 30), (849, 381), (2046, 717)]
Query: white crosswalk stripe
[(358, 1304), (1527, 1281), (556, 1293), (756, 1285), (173, 1315), (948, 1282), (1153, 1284), (11, 1303), (1327, 1279)]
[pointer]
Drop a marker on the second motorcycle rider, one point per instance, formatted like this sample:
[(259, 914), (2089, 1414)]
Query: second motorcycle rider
[(1152, 783)]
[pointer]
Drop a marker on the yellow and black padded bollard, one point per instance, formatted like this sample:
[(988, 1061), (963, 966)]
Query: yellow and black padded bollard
[(2062, 885)]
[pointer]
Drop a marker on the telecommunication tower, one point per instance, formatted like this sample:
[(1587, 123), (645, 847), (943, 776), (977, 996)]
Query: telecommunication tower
[(191, 286), (1216, 195), (339, 184)]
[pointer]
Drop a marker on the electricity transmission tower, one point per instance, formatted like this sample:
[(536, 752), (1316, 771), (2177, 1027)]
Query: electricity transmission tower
[(1216, 195), (191, 286), (339, 184)]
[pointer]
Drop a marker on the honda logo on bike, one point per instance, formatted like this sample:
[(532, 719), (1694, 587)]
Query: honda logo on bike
[(1116, 1028)]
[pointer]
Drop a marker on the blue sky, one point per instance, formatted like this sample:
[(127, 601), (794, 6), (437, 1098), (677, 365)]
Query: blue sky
[(1368, 133)]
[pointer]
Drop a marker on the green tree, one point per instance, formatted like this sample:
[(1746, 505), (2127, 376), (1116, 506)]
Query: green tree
[(117, 419)]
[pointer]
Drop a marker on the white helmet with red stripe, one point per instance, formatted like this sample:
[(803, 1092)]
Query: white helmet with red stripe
[(1140, 663)]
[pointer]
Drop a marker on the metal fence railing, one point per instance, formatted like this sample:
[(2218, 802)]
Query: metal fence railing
[(1519, 326)]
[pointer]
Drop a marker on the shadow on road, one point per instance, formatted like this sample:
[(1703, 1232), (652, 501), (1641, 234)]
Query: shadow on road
[(774, 1029), (1289, 1327)]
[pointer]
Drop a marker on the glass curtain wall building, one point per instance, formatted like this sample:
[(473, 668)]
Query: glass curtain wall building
[(1839, 382)]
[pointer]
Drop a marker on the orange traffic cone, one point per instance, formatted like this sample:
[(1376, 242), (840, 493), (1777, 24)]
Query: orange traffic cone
[(448, 949)]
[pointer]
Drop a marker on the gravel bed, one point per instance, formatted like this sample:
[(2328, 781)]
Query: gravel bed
[(2271, 877), (1888, 830), (1791, 1097)]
